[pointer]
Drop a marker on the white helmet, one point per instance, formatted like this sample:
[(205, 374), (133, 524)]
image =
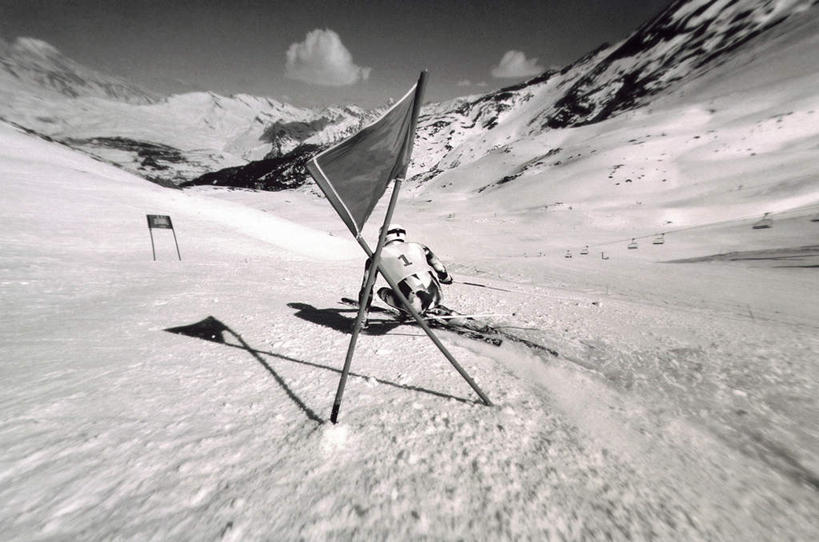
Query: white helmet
[(395, 232)]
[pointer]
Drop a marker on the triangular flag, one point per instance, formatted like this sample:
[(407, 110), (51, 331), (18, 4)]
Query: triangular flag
[(355, 173)]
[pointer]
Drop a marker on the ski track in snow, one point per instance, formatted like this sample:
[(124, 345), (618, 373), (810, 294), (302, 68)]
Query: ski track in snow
[(659, 420)]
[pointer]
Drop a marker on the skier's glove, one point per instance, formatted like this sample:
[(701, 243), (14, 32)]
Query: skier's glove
[(446, 279)]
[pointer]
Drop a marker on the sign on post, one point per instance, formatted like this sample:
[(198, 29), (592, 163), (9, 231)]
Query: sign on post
[(162, 222)]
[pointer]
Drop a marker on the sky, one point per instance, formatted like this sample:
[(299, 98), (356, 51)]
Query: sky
[(314, 53)]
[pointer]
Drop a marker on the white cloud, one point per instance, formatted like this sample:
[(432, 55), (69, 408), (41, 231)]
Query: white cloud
[(464, 83), (482, 84), (515, 64), (323, 60)]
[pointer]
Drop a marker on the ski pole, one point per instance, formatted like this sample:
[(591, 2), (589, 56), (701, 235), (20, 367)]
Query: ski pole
[(446, 317), (480, 285), (452, 316)]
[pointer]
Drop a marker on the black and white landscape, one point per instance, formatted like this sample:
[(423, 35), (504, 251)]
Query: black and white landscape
[(190, 399)]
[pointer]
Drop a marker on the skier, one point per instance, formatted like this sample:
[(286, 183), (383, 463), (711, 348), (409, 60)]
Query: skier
[(415, 268)]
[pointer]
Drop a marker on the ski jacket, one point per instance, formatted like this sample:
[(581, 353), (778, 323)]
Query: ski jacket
[(401, 260)]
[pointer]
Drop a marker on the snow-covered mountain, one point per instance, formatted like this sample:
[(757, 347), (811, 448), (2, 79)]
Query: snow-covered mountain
[(170, 139), (518, 129), (29, 64), (700, 79), (687, 40)]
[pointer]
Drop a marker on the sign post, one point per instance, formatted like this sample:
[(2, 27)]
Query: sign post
[(162, 222)]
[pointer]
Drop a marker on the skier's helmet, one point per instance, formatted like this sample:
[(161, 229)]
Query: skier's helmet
[(395, 232)]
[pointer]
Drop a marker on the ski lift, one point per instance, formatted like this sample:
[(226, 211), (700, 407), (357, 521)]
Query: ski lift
[(659, 240), (763, 223), (633, 244), (568, 254), (584, 250), (603, 256)]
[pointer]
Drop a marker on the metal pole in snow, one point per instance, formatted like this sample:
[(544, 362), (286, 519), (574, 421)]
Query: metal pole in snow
[(421, 322), (375, 265), (418, 318), (151, 232), (481, 285), (173, 231), (365, 295)]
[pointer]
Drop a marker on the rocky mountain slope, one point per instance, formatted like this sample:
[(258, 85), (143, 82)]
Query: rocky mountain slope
[(686, 41), (683, 42)]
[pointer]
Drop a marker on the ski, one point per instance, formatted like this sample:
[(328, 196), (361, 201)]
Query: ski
[(467, 328)]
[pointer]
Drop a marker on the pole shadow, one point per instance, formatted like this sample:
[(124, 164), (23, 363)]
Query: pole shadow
[(211, 329)]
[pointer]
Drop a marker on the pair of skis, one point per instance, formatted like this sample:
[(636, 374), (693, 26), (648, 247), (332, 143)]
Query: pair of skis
[(450, 320), (442, 318)]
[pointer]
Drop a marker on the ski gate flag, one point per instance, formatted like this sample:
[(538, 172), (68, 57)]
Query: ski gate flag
[(355, 173)]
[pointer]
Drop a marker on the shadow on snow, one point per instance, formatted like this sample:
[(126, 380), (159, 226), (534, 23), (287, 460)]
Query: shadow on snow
[(212, 329), (335, 319)]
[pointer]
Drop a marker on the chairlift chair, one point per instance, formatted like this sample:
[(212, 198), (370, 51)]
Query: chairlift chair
[(815, 218), (603, 256), (568, 254), (633, 244), (763, 223), (584, 250), (659, 240)]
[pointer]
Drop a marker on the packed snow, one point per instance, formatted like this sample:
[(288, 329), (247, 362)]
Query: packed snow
[(190, 398)]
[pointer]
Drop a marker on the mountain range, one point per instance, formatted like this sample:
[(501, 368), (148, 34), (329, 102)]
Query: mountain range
[(629, 132), (165, 139)]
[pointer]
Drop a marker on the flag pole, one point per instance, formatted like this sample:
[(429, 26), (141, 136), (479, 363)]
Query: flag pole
[(375, 263), (151, 232), (421, 322), (173, 231), (397, 174)]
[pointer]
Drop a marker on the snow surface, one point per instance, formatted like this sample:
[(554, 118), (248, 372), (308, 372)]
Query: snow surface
[(682, 405), (190, 399)]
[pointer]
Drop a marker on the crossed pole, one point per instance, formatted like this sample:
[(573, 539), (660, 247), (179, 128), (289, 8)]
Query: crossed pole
[(362, 311)]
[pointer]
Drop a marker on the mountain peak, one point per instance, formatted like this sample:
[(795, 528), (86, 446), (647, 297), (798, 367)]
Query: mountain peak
[(39, 66), (35, 47)]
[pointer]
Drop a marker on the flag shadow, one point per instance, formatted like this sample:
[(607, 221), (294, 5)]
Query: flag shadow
[(211, 329)]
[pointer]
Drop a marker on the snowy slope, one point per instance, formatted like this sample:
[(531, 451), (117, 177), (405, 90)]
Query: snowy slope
[(189, 400), (688, 39), (716, 150)]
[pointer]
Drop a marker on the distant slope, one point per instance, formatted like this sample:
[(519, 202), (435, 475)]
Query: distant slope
[(172, 139), (712, 151)]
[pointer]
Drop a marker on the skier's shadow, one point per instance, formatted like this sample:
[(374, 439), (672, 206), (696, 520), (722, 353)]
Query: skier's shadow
[(336, 319), (211, 329)]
